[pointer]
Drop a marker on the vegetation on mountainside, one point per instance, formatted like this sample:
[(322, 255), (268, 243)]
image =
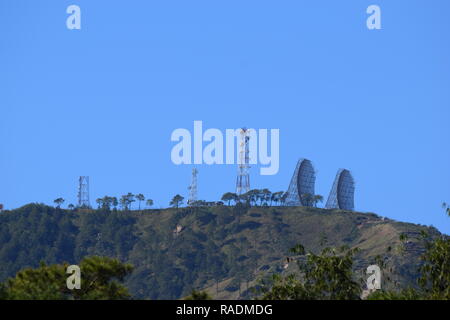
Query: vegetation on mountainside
[(330, 275), (223, 249), (325, 276), (198, 295), (101, 279), (254, 197), (434, 279)]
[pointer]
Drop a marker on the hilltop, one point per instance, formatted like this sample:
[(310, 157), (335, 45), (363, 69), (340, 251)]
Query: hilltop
[(222, 249)]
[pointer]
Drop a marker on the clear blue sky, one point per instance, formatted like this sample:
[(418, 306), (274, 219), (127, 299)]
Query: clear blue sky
[(104, 100)]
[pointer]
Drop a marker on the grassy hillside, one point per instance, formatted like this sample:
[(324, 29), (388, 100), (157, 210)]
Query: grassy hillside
[(221, 249)]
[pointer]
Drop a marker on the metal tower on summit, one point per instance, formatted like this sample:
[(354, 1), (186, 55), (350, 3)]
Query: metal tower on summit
[(243, 178), (83, 192), (193, 188)]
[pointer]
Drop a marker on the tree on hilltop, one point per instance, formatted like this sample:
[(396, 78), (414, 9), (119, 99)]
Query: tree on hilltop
[(59, 202), (149, 203), (229, 196), (176, 201), (140, 197)]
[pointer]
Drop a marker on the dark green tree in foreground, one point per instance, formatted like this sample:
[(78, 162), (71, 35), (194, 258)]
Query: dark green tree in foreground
[(435, 272), (434, 280), (324, 276), (101, 279), (198, 295), (329, 275)]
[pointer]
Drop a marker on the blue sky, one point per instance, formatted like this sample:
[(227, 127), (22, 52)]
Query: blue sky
[(103, 101)]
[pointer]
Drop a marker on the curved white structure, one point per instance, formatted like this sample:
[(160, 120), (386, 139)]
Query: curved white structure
[(342, 192), (302, 183)]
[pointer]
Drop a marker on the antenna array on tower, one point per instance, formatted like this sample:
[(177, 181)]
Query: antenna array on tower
[(193, 188), (83, 192), (243, 178)]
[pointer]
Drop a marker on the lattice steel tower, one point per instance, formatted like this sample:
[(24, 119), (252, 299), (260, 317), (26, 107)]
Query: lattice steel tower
[(243, 178), (83, 192), (193, 188)]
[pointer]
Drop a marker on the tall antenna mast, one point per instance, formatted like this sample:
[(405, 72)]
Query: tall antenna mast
[(83, 192), (193, 188), (243, 178)]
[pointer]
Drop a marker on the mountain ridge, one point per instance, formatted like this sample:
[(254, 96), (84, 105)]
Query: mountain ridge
[(222, 249)]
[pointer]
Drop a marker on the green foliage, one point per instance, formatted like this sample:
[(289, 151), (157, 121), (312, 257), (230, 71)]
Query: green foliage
[(275, 198), (229, 196), (447, 208), (3, 294), (307, 199), (258, 197), (59, 202), (311, 200), (176, 201), (435, 271), (324, 276), (316, 199), (405, 294), (35, 233), (149, 202), (434, 277), (127, 200), (329, 275), (218, 245), (140, 197), (107, 202), (298, 249), (434, 280), (100, 279), (198, 295)]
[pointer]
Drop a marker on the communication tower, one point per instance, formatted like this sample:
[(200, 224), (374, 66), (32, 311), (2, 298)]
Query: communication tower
[(243, 178), (193, 188), (83, 192)]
